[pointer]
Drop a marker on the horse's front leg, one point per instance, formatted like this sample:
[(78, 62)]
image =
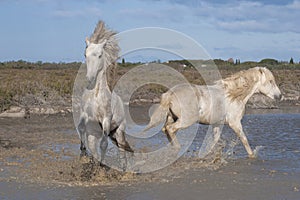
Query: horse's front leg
[(104, 140), (238, 129), (211, 139), (217, 133), (81, 128)]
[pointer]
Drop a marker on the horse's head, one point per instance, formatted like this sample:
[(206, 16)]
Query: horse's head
[(101, 51), (267, 84), (94, 61)]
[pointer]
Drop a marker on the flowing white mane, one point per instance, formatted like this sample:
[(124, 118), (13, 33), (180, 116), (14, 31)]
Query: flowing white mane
[(111, 48), (239, 85)]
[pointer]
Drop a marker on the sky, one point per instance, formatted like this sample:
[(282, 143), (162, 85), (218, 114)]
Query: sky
[(55, 30)]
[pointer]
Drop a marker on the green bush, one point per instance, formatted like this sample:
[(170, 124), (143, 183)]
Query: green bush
[(269, 61)]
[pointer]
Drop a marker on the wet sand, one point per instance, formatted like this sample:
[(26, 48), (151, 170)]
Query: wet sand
[(39, 159)]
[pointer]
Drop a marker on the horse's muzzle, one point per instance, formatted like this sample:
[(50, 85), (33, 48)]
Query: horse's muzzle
[(91, 84)]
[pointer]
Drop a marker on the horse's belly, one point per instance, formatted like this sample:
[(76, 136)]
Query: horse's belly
[(204, 119), (210, 117)]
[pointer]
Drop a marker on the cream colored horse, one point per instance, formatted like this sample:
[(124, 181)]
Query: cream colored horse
[(99, 104), (222, 103)]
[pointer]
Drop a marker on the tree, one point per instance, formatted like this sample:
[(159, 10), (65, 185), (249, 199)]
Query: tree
[(291, 61), (269, 61), (123, 61)]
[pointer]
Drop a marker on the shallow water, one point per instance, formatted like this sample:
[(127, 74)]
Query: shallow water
[(276, 137), (274, 174), (279, 134)]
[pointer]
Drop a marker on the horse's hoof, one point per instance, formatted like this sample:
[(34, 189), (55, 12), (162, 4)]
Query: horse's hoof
[(124, 167), (83, 154), (129, 149), (176, 145), (252, 156), (103, 166)]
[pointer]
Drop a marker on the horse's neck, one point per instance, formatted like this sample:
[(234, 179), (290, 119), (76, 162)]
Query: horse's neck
[(102, 82), (250, 95)]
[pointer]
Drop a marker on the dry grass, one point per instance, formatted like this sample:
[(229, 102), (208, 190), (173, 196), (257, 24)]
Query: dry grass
[(45, 85), (28, 87)]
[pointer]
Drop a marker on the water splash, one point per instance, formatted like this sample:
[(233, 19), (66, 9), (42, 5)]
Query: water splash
[(257, 150)]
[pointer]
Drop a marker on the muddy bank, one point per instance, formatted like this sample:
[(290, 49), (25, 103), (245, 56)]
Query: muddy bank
[(45, 149)]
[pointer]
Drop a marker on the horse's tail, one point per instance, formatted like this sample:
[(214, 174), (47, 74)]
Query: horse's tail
[(160, 113)]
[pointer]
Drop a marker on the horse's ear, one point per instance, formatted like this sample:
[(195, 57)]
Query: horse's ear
[(87, 41), (103, 43), (224, 84)]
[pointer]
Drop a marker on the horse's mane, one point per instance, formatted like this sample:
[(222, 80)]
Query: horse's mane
[(111, 76), (111, 48), (239, 85)]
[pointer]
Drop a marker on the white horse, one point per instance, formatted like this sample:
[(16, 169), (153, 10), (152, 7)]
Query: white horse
[(224, 102), (98, 103)]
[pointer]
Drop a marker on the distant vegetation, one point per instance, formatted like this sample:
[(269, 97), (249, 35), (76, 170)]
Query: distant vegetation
[(268, 62), (41, 83), (21, 64)]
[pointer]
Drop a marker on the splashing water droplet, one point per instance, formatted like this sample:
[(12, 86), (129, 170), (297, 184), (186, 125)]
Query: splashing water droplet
[(257, 150)]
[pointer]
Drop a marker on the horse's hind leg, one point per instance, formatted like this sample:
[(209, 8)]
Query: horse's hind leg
[(169, 121), (171, 130), (123, 146)]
